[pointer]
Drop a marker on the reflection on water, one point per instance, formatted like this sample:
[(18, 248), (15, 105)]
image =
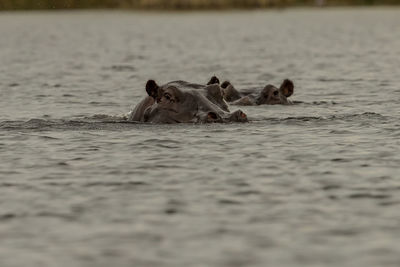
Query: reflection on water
[(311, 184)]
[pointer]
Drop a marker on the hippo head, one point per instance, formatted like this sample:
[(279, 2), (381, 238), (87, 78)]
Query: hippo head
[(178, 102), (271, 95)]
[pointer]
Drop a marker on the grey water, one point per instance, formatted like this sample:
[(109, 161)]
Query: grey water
[(312, 184)]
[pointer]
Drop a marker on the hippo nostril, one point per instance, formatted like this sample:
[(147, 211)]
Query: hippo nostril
[(241, 114), (212, 116)]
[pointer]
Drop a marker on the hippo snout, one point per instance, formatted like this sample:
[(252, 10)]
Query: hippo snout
[(213, 117), (238, 116)]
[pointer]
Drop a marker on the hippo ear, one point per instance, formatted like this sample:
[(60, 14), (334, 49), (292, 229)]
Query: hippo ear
[(213, 80), (225, 84), (152, 88), (287, 88)]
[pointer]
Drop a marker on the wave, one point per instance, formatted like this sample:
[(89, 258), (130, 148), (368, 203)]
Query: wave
[(109, 122), (96, 122), (372, 116)]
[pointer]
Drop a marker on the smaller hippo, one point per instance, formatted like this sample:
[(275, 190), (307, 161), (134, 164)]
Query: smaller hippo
[(269, 95)]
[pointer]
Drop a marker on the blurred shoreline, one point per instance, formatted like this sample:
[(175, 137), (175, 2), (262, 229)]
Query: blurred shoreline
[(183, 4)]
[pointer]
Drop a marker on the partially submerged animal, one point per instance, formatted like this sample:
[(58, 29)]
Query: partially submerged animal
[(269, 94), (180, 102)]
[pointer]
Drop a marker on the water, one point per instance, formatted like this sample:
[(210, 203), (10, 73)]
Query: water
[(313, 184)]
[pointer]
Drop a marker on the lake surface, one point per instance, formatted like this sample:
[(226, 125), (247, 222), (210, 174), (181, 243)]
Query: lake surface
[(312, 184)]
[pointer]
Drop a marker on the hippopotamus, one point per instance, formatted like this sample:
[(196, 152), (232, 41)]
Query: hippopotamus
[(184, 102), (269, 94)]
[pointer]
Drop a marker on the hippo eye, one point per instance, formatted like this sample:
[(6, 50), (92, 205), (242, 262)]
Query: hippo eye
[(169, 97), (275, 93)]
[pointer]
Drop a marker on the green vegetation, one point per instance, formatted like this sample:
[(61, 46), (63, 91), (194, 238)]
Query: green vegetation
[(177, 4)]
